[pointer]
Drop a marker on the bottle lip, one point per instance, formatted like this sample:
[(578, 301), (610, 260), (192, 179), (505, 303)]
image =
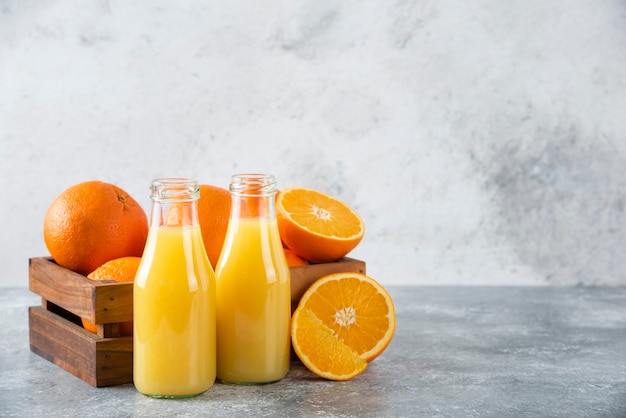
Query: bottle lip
[(253, 184), (175, 188)]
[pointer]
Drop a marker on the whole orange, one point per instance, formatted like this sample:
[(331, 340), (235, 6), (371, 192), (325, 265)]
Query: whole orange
[(91, 223), (213, 215)]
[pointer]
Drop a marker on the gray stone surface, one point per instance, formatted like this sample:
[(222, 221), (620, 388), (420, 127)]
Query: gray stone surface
[(457, 352)]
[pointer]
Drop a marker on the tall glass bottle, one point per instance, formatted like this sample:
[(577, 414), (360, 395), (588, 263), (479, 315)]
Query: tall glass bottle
[(253, 288), (174, 298)]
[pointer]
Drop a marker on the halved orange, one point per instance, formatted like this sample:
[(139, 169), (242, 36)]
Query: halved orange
[(316, 226), (321, 351), (342, 322)]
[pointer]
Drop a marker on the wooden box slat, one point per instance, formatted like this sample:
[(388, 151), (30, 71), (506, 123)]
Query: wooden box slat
[(96, 360), (97, 301)]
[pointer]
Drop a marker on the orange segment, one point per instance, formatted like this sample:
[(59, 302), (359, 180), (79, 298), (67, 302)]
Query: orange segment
[(353, 309), (321, 351), (316, 226)]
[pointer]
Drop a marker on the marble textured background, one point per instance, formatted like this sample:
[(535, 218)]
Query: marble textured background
[(483, 142)]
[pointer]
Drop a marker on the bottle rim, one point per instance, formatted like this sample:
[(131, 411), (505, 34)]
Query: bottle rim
[(253, 184), (175, 188)]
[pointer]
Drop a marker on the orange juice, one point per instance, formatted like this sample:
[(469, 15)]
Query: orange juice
[(253, 304), (174, 315)]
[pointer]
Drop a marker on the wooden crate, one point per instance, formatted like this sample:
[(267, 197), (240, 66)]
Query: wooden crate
[(55, 328), (105, 358)]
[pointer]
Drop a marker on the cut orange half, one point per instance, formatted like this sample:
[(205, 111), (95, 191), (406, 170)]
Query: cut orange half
[(343, 322), (321, 351), (316, 226)]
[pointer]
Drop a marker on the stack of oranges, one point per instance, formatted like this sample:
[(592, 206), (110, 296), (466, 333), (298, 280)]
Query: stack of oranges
[(342, 322)]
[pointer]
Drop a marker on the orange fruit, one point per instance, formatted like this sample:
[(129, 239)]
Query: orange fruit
[(293, 260), (328, 356), (342, 323), (121, 270), (316, 226), (91, 223), (213, 215)]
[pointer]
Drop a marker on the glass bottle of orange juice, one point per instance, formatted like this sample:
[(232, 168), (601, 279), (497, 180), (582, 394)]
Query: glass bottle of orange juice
[(253, 288), (174, 299)]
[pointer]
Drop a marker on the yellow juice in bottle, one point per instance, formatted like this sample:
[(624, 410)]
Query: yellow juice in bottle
[(253, 304), (174, 315)]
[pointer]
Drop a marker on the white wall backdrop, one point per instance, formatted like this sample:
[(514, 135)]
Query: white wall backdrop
[(483, 142)]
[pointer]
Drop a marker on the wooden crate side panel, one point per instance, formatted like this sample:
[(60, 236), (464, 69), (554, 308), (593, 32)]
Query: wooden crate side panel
[(114, 361), (62, 343), (61, 286), (95, 360), (98, 302), (113, 303)]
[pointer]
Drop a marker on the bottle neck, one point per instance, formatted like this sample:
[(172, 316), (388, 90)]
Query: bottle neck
[(174, 202), (253, 196)]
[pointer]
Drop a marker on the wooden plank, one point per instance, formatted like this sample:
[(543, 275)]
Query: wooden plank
[(61, 342), (60, 286), (114, 361), (98, 302), (96, 360), (109, 330), (113, 302)]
